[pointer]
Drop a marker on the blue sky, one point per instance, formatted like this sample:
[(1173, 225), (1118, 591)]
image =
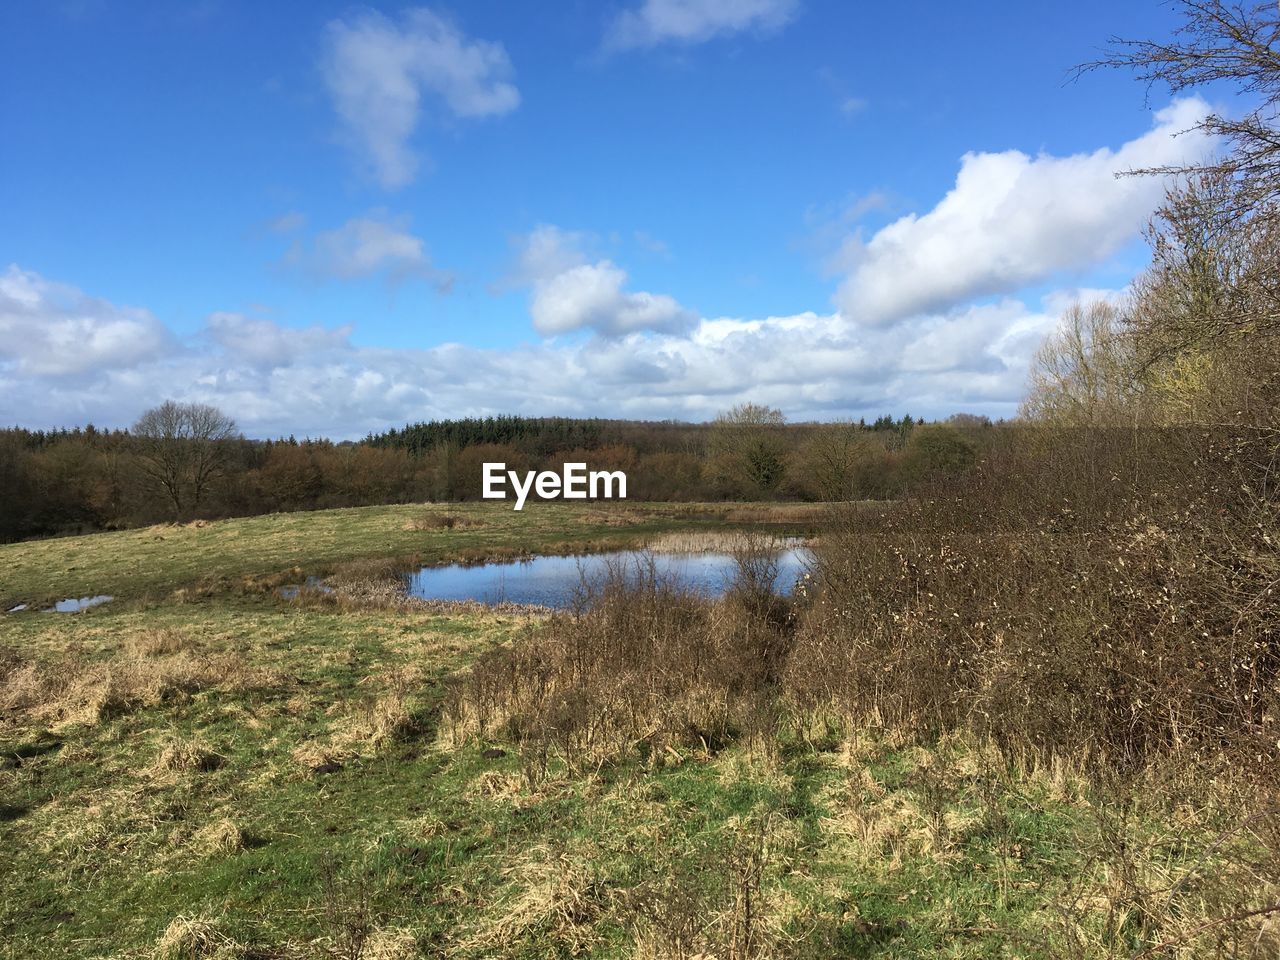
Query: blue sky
[(330, 218)]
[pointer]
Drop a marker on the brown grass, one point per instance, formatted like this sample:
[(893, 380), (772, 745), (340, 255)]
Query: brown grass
[(553, 892), (220, 837), (442, 521), (637, 669), (76, 689), (184, 755), (195, 938), (158, 642)]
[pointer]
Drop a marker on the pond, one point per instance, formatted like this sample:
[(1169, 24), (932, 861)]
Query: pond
[(552, 581), (76, 604)]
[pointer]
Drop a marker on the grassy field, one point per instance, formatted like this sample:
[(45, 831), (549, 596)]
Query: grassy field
[(157, 560), (217, 772)]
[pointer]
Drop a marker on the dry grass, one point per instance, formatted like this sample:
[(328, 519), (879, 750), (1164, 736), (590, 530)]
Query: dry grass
[(442, 521), (644, 671), (76, 689), (195, 938), (187, 755), (718, 541), (220, 837), (390, 943), (553, 893), (777, 513), (158, 642)]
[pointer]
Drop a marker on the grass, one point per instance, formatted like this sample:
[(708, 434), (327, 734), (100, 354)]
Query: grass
[(221, 773), (155, 560)]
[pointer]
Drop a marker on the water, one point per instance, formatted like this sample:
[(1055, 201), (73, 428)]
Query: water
[(551, 581), (74, 605), (291, 591)]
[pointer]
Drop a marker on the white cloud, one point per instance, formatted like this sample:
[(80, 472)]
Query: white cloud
[(50, 329), (590, 296), (569, 293), (367, 246), (265, 343), (1011, 220), (545, 252), (314, 381), (378, 73), (695, 21)]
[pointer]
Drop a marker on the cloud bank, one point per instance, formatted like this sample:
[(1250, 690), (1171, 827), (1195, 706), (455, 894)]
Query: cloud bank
[(51, 330), (278, 380)]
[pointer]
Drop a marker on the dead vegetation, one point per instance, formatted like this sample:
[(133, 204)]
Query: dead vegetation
[(158, 642), (642, 667), (443, 521), (196, 938), (1104, 621), (713, 541), (80, 689), (187, 755)]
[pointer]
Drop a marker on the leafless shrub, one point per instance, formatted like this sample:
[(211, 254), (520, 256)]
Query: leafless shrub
[(1064, 606), (1130, 890), (640, 667), (347, 911), (715, 901)]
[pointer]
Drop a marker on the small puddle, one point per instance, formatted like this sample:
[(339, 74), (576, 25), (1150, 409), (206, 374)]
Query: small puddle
[(551, 581), (291, 591), (75, 605)]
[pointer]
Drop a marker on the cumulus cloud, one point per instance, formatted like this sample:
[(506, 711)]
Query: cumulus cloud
[(568, 293), (1011, 220), (313, 381), (695, 21), (379, 71), (365, 247), (590, 296), (54, 330)]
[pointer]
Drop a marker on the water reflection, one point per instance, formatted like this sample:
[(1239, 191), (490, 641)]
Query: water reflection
[(551, 581), (75, 605)]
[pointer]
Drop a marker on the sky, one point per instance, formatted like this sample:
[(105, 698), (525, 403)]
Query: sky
[(328, 219)]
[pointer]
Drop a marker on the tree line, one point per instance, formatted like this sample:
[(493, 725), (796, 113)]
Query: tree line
[(185, 461)]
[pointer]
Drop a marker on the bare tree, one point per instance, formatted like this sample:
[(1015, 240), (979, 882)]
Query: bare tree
[(1213, 275), (1206, 316), (1221, 41), (1083, 374), (828, 463), (747, 447), (182, 447)]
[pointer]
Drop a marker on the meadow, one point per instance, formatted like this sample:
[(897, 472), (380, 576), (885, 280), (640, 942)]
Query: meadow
[(201, 768)]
